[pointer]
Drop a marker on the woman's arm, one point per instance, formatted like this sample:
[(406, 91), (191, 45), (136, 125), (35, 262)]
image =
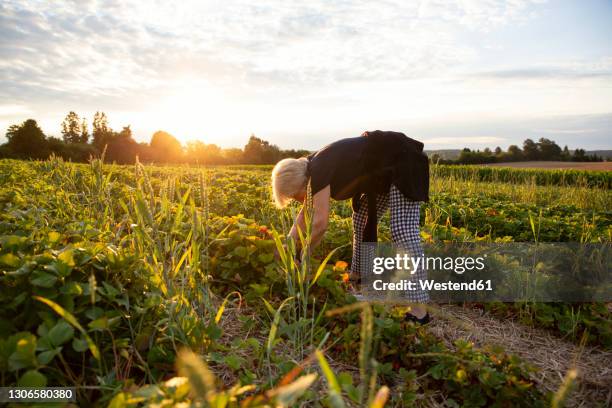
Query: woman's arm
[(320, 218)]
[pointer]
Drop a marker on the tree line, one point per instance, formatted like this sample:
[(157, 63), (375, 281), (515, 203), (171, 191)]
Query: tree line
[(28, 141), (542, 150)]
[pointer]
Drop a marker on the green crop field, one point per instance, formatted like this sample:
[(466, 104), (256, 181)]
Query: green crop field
[(144, 285)]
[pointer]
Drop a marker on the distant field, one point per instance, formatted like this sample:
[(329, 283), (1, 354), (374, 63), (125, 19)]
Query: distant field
[(600, 166)]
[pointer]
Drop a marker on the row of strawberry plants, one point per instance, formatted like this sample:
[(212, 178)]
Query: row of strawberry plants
[(546, 177)]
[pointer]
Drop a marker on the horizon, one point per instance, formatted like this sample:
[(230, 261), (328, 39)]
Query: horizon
[(473, 74)]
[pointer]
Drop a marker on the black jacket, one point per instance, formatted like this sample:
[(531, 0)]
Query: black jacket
[(391, 158)]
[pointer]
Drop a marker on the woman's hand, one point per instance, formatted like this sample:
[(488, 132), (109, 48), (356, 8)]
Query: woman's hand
[(320, 219)]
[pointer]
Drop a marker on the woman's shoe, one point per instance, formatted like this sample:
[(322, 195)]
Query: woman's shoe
[(412, 318)]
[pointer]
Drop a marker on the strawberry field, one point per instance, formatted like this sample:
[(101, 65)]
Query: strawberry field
[(143, 285)]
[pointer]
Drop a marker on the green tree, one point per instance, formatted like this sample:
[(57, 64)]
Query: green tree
[(233, 155), (530, 150), (84, 138), (296, 154), (549, 150), (71, 128), (101, 132), (515, 153), (566, 155), (27, 140), (121, 147), (259, 151), (166, 148), (579, 155), (201, 153)]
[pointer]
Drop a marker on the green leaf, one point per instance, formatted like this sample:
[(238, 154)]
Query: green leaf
[(266, 258), (54, 236), (335, 392), (213, 331), (9, 260), (72, 288), (241, 252), (274, 327), (120, 401), (110, 291), (46, 357), (234, 362), (142, 208), (99, 324), (60, 333), (43, 279), (59, 268), (73, 321), (25, 269), (345, 378), (17, 300), (365, 348), (67, 257), (12, 242), (222, 307), (94, 313), (32, 378), (43, 344), (149, 392), (322, 266), (24, 346), (79, 345), (253, 343)]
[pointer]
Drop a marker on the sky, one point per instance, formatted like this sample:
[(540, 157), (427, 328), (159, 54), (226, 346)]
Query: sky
[(472, 73)]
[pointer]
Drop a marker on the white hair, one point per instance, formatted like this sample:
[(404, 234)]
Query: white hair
[(289, 178)]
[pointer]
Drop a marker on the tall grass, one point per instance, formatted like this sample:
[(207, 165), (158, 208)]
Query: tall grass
[(297, 265)]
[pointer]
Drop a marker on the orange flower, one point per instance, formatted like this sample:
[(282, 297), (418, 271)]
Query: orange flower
[(340, 266), (345, 277)]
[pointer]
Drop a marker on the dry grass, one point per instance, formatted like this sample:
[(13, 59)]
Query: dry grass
[(551, 355), (599, 166)]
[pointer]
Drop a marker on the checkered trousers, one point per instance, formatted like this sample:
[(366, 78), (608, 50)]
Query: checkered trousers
[(404, 233)]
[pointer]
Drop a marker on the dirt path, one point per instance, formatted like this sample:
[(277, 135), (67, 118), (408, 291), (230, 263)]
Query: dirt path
[(551, 355)]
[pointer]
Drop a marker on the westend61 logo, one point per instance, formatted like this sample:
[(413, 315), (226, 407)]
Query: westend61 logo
[(459, 265)]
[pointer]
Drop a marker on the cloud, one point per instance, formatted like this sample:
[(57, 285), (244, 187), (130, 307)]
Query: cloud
[(11, 110), (347, 63), (586, 131), (467, 140), (116, 49), (546, 73), (568, 131), (478, 15)]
